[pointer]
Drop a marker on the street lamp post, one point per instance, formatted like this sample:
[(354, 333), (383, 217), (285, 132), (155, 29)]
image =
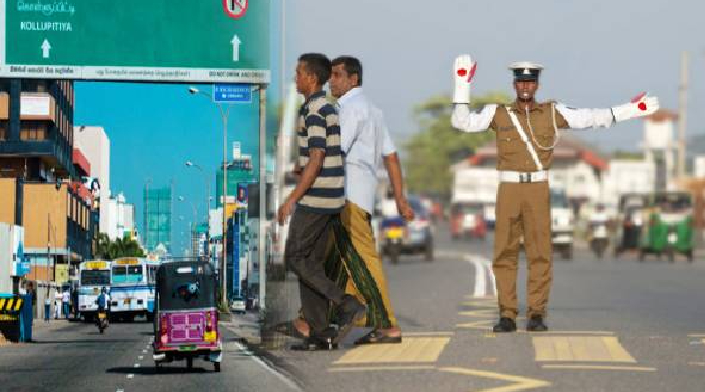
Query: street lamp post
[(208, 196), (223, 269), (192, 225)]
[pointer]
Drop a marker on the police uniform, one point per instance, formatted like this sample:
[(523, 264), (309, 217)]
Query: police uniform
[(525, 141)]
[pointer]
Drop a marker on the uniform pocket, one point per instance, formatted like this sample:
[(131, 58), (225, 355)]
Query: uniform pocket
[(510, 144)]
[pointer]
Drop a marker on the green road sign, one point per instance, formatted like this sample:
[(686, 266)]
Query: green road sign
[(156, 40)]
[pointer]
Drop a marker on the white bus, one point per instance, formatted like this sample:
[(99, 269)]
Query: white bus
[(132, 287), (94, 275)]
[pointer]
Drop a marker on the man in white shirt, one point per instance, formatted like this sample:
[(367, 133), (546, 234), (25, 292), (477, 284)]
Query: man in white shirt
[(366, 143)]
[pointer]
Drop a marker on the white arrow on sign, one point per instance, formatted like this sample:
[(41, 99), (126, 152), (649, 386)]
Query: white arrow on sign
[(45, 48), (236, 47)]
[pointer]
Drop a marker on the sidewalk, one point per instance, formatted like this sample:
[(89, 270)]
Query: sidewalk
[(245, 326)]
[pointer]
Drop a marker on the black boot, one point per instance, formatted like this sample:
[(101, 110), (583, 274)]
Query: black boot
[(505, 325), (536, 324)]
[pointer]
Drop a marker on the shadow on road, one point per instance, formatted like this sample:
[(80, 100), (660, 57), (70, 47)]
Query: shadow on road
[(85, 341), (175, 368)]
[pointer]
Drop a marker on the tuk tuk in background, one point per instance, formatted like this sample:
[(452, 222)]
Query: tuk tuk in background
[(186, 317), (669, 228), (629, 222)]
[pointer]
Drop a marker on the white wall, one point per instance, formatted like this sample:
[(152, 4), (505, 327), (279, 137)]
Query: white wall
[(627, 176), (95, 146)]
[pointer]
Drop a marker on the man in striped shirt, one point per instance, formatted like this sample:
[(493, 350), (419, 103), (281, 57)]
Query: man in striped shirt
[(319, 197)]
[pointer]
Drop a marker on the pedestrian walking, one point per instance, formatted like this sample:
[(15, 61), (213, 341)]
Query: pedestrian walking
[(315, 202), (65, 298), (47, 310)]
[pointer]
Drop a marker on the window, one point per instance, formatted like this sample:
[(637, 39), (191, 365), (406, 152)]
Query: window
[(32, 130), (119, 271)]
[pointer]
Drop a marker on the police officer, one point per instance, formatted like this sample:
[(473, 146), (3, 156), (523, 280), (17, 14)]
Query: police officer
[(527, 132)]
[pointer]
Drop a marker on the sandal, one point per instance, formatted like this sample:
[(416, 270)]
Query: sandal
[(376, 338)]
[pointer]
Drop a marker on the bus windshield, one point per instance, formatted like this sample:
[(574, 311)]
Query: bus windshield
[(95, 277)]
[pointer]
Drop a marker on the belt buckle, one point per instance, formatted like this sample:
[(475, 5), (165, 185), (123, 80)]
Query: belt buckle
[(525, 177)]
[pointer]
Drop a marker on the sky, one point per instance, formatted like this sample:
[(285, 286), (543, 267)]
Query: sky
[(597, 53)]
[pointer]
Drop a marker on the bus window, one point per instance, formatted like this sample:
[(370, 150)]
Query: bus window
[(119, 271)]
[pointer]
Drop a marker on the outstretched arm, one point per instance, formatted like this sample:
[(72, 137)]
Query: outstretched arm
[(640, 106), (463, 118)]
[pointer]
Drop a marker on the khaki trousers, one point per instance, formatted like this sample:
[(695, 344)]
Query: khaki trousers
[(523, 209)]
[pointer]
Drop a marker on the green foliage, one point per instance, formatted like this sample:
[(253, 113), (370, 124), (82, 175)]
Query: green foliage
[(122, 247), (431, 152)]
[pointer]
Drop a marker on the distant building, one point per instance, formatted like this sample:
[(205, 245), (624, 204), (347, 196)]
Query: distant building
[(158, 210)]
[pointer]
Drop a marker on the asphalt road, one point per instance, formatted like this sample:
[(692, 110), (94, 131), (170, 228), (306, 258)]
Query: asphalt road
[(615, 325), (75, 357)]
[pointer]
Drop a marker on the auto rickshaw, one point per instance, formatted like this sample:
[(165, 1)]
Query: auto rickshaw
[(186, 317), (629, 222), (670, 226)]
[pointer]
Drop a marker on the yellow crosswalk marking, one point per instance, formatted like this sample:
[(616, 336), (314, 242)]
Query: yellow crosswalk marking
[(378, 368), (480, 313), (518, 383), (596, 367), (411, 349), (580, 349)]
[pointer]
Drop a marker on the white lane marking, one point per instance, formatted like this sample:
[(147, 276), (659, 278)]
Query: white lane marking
[(130, 376), (120, 390), (144, 351), (141, 357), (482, 271), (291, 384), (137, 365)]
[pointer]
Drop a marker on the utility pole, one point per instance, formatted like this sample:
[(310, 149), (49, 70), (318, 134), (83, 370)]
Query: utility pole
[(682, 107)]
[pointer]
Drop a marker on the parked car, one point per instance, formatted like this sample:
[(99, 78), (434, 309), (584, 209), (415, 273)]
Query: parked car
[(400, 237), (467, 220), (237, 305)]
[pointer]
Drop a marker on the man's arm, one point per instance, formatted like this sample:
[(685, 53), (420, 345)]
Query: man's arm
[(391, 163), (640, 106), (468, 121), (462, 118), (309, 174)]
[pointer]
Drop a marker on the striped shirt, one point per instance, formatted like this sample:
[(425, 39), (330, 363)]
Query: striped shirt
[(319, 128)]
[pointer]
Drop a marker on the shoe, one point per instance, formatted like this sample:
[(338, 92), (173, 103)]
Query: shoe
[(349, 311), (505, 325), (375, 337), (320, 341), (536, 324)]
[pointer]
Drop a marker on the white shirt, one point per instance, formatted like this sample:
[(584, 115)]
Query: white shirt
[(468, 121), (364, 139)]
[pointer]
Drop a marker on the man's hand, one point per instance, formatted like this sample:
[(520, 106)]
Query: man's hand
[(405, 210), (285, 211), (639, 106), (463, 73)]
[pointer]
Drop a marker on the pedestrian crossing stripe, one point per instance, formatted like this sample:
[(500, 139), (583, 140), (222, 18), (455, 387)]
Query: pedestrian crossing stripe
[(411, 349), (580, 349), (10, 305)]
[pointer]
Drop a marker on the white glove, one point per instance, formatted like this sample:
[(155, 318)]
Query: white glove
[(639, 106), (463, 72)]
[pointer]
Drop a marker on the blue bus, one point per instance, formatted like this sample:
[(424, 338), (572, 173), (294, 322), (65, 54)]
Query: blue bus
[(132, 288)]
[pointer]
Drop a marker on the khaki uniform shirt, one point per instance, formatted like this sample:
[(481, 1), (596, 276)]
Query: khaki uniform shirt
[(519, 148)]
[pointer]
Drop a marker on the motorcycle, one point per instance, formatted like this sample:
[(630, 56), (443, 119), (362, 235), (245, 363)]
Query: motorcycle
[(599, 239), (102, 320)]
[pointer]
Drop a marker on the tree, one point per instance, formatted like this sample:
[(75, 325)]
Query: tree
[(122, 247), (432, 151)]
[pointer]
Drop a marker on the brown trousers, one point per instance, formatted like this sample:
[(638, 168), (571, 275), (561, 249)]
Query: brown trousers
[(523, 209)]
